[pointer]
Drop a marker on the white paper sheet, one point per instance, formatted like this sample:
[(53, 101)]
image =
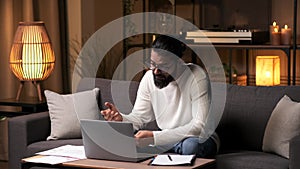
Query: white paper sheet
[(49, 159), (66, 151)]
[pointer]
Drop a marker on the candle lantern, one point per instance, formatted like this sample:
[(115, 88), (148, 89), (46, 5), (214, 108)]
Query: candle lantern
[(267, 70)]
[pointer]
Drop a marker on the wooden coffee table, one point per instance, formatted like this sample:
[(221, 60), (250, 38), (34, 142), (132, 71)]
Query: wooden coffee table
[(199, 163)]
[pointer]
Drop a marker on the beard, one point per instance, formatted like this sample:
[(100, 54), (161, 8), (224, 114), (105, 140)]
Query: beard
[(161, 80)]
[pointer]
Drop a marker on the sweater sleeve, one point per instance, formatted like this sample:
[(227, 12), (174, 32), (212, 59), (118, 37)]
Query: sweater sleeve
[(200, 101), (142, 112)]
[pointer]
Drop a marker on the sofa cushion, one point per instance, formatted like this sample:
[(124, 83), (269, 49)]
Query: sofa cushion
[(283, 125), (246, 114), (251, 160), (66, 110)]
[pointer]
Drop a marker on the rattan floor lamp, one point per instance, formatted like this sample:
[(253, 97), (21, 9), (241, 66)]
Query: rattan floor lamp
[(31, 58)]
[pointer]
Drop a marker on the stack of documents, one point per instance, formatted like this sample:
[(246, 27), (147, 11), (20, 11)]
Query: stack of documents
[(58, 155), (204, 36)]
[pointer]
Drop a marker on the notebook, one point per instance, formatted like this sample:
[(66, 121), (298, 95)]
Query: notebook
[(110, 140), (173, 159)]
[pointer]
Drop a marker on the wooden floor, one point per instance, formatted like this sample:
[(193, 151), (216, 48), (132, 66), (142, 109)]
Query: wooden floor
[(3, 164)]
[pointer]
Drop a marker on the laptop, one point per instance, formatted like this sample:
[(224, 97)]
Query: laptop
[(111, 140)]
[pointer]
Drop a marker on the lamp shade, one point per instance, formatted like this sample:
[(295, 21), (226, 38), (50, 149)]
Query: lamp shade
[(31, 56), (267, 70)]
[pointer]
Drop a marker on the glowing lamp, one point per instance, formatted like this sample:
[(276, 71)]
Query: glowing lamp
[(31, 57), (267, 70)]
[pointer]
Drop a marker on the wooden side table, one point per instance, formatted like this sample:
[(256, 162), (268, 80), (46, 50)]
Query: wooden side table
[(26, 106)]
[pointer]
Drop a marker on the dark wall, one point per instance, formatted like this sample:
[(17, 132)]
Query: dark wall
[(236, 14)]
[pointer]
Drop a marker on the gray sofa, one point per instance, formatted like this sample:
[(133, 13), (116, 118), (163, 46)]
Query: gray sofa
[(241, 128)]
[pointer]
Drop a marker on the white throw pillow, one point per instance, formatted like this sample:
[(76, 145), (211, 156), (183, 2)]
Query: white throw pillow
[(283, 125), (66, 110)]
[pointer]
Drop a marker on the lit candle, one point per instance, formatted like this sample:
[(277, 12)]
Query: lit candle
[(275, 37), (286, 35), (272, 28)]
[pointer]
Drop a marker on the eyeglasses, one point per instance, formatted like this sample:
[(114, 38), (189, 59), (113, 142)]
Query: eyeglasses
[(152, 65)]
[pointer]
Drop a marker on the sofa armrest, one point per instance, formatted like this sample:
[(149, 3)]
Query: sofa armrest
[(24, 130), (295, 152)]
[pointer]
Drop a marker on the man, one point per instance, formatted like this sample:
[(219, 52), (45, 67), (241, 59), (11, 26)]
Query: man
[(177, 96)]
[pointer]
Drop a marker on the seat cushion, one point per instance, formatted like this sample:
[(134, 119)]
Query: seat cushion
[(46, 145), (251, 160)]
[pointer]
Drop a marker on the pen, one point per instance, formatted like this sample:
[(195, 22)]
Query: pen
[(151, 161), (170, 157)]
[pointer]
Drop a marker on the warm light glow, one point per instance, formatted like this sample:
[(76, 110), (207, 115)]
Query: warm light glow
[(275, 29), (274, 24), (153, 37), (268, 74), (267, 70), (32, 57), (285, 27)]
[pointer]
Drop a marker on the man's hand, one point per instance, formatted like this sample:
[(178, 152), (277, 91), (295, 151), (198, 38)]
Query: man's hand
[(111, 113), (144, 138), (143, 134)]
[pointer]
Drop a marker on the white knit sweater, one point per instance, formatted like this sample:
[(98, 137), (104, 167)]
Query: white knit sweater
[(180, 109)]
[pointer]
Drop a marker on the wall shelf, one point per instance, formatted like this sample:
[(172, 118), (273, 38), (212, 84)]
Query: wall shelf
[(285, 48), (289, 50)]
